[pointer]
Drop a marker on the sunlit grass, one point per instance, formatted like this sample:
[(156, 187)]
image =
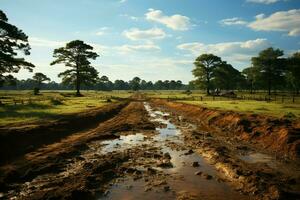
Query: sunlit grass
[(258, 107), (50, 105)]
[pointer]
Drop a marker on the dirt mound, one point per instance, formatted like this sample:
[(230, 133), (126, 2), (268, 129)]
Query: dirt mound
[(279, 135)]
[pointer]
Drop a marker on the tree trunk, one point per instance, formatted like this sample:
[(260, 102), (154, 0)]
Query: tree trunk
[(269, 86), (207, 84), (77, 81)]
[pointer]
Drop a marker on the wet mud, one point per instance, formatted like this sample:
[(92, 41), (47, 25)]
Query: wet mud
[(148, 151)]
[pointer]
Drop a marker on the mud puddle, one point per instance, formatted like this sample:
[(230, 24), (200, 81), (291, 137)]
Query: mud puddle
[(172, 171)]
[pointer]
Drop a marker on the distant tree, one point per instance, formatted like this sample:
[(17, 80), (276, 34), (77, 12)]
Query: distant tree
[(293, 71), (135, 83), (226, 77), (271, 66), (39, 78), (204, 68), (76, 55), (12, 40), (120, 85)]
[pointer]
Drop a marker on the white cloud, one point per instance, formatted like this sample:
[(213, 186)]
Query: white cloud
[(286, 21), (232, 21), (125, 49), (40, 42), (263, 1), (130, 17), (234, 52), (175, 22), (122, 1), (149, 34), (101, 31)]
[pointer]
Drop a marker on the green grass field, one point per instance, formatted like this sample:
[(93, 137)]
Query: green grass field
[(23, 107), (281, 105), (258, 107)]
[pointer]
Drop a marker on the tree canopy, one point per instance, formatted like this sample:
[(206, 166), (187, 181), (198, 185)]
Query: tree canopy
[(76, 55), (12, 41), (270, 66), (204, 68), (39, 78)]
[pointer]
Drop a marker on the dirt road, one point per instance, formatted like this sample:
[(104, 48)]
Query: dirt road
[(147, 151)]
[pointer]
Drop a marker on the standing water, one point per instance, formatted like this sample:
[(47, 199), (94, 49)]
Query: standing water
[(183, 175)]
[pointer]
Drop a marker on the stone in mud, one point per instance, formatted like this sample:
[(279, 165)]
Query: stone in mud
[(195, 164), (189, 152), (151, 170), (167, 188), (198, 173), (207, 176), (167, 155), (165, 163)]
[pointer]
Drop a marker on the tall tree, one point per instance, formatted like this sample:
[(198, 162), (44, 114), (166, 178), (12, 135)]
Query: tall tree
[(39, 78), (135, 83), (12, 41), (76, 55), (293, 71), (204, 67), (226, 77), (271, 66)]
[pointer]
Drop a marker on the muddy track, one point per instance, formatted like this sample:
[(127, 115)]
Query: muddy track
[(146, 151), (28, 137), (247, 167)]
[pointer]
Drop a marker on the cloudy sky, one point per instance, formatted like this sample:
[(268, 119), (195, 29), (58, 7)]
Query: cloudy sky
[(155, 39)]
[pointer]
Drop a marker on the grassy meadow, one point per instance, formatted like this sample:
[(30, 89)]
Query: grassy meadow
[(281, 105), (24, 107)]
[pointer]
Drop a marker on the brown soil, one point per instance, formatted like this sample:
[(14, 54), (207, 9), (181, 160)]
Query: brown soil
[(55, 157), (24, 138), (277, 181), (278, 135), (89, 161)]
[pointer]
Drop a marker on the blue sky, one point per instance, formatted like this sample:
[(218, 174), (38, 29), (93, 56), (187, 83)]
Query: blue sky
[(155, 39)]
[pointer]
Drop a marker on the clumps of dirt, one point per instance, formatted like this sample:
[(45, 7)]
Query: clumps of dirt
[(55, 158), (257, 179), (21, 139), (281, 135)]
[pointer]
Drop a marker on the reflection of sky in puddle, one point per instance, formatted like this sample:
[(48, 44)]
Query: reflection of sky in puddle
[(182, 166), (124, 142)]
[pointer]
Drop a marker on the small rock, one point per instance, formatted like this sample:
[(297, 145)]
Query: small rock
[(167, 188), (195, 164), (167, 155), (198, 173), (208, 177), (189, 152)]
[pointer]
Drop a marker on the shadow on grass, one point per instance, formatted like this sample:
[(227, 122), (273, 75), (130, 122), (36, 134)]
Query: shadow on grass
[(27, 111)]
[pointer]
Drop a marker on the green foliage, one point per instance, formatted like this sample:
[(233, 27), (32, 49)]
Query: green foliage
[(12, 41), (205, 65), (270, 66), (39, 78), (76, 55)]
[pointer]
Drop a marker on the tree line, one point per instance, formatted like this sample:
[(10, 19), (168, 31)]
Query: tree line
[(269, 70), (103, 83)]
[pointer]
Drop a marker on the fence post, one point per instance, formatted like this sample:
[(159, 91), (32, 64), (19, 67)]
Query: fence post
[(201, 98), (213, 97), (282, 99), (293, 99)]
